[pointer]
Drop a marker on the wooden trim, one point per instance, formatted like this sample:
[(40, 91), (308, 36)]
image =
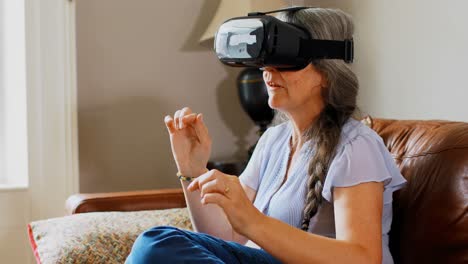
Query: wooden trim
[(126, 201)]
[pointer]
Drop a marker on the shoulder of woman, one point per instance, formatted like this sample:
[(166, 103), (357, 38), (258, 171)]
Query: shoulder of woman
[(354, 130)]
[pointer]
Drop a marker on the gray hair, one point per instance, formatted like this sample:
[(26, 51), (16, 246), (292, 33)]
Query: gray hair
[(339, 97)]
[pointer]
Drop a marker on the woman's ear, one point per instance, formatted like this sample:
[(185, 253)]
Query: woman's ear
[(323, 76), (324, 80)]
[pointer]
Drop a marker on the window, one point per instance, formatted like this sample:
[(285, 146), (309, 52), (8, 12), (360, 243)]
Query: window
[(13, 118)]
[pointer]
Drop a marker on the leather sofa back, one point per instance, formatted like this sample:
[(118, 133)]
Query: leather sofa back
[(430, 221)]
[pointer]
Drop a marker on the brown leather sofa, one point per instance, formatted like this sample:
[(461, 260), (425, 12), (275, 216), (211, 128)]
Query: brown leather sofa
[(430, 223)]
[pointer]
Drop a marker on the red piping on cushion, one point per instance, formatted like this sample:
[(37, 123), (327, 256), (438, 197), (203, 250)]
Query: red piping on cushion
[(33, 244)]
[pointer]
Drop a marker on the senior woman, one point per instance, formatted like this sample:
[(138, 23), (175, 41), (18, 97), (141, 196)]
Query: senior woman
[(317, 189)]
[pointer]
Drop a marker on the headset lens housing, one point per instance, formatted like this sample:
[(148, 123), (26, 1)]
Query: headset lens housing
[(240, 39)]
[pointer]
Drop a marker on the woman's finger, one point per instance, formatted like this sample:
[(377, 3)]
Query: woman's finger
[(202, 179), (193, 186), (169, 121), (209, 176), (185, 111), (189, 119), (215, 198), (176, 119), (202, 130), (213, 186)]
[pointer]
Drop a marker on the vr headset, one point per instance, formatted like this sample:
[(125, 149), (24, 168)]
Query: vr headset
[(259, 40)]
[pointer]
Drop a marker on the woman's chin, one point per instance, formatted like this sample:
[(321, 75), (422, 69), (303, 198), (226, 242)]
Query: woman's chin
[(275, 103)]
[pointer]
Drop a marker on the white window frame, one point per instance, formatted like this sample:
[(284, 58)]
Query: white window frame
[(52, 105), (50, 124), (52, 160), (51, 114), (13, 130)]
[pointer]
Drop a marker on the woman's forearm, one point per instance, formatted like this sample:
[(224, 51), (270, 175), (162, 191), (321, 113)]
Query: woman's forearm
[(209, 218), (291, 245)]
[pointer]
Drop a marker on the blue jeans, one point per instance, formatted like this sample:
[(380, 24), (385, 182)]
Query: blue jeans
[(165, 244)]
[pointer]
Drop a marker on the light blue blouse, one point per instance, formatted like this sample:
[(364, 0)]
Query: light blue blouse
[(361, 157)]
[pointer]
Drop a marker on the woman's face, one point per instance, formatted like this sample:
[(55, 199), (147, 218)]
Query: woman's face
[(290, 91)]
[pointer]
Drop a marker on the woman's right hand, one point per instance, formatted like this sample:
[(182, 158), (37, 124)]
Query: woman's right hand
[(190, 142)]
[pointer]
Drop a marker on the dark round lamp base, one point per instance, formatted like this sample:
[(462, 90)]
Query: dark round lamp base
[(228, 167)]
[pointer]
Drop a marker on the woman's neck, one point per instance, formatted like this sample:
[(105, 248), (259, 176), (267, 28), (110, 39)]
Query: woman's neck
[(301, 120)]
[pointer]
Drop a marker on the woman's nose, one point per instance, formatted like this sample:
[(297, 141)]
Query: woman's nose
[(268, 72)]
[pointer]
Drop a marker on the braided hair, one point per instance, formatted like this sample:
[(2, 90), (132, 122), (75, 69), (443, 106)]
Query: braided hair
[(339, 97)]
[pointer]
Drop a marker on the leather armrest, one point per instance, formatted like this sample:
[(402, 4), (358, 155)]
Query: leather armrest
[(125, 201)]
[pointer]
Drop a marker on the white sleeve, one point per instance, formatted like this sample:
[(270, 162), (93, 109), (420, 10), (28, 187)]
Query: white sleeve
[(364, 159)]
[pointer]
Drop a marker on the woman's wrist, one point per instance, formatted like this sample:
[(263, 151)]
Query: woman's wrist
[(192, 173), (252, 228)]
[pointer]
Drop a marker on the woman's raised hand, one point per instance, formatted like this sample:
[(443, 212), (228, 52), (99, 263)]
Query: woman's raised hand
[(190, 141)]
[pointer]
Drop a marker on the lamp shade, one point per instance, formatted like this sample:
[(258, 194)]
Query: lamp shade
[(234, 8)]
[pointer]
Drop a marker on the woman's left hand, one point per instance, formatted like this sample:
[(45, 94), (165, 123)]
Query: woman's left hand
[(226, 191)]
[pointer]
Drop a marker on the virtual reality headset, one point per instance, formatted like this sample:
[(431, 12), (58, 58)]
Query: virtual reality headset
[(259, 40)]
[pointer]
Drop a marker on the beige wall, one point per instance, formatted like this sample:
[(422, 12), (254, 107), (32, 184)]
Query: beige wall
[(140, 60), (411, 56), (137, 62)]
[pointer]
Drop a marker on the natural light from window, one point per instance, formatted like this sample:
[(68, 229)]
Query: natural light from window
[(13, 128)]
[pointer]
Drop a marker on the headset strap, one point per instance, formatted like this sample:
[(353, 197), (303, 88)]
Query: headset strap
[(290, 9), (327, 49), (317, 48)]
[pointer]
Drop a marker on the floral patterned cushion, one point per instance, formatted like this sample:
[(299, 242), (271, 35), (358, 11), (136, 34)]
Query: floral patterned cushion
[(104, 237)]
